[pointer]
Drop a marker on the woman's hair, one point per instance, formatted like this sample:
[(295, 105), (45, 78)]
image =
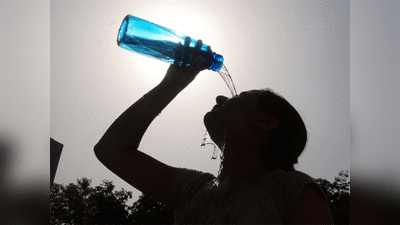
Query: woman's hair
[(281, 147)]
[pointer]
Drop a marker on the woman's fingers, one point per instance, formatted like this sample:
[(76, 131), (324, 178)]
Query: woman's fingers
[(195, 67), (199, 43)]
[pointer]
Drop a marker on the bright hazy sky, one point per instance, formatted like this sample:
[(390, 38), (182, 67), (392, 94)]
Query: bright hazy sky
[(300, 49)]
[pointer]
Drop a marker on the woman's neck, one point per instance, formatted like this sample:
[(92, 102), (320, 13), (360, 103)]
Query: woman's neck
[(240, 163), (239, 169)]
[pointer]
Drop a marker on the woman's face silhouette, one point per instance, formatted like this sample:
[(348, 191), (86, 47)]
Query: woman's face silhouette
[(233, 115)]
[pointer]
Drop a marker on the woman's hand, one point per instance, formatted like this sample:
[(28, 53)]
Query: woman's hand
[(180, 77)]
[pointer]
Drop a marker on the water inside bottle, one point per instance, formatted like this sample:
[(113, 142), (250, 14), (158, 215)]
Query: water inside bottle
[(229, 82)]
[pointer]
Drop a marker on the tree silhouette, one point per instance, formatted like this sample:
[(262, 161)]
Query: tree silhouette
[(338, 194), (149, 211), (82, 204)]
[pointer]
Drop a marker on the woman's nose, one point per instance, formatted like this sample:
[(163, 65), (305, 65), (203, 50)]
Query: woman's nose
[(221, 99)]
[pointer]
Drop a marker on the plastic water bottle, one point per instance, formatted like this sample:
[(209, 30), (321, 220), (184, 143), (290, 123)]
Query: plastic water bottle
[(161, 43)]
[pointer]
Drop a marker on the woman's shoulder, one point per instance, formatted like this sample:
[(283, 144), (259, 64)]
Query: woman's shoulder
[(190, 179), (285, 183), (298, 176), (191, 175), (296, 181), (291, 176)]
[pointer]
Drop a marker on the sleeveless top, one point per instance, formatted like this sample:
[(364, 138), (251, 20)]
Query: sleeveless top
[(265, 201)]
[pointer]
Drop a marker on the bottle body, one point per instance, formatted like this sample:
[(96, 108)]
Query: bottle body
[(158, 42)]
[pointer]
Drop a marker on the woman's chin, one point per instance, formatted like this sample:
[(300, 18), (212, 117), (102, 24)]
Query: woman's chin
[(214, 127), (208, 120), (216, 136)]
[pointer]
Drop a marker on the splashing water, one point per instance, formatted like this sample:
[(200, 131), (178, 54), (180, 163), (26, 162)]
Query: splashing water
[(207, 141), (216, 180), (228, 80)]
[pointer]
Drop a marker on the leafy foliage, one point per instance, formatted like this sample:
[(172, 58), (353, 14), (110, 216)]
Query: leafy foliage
[(148, 211), (338, 194), (82, 204)]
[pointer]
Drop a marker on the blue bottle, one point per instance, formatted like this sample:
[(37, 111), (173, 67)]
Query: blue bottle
[(161, 43)]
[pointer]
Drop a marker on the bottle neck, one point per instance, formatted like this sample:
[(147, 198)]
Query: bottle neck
[(212, 61), (217, 63)]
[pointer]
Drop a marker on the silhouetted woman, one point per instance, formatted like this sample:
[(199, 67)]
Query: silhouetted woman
[(261, 137)]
